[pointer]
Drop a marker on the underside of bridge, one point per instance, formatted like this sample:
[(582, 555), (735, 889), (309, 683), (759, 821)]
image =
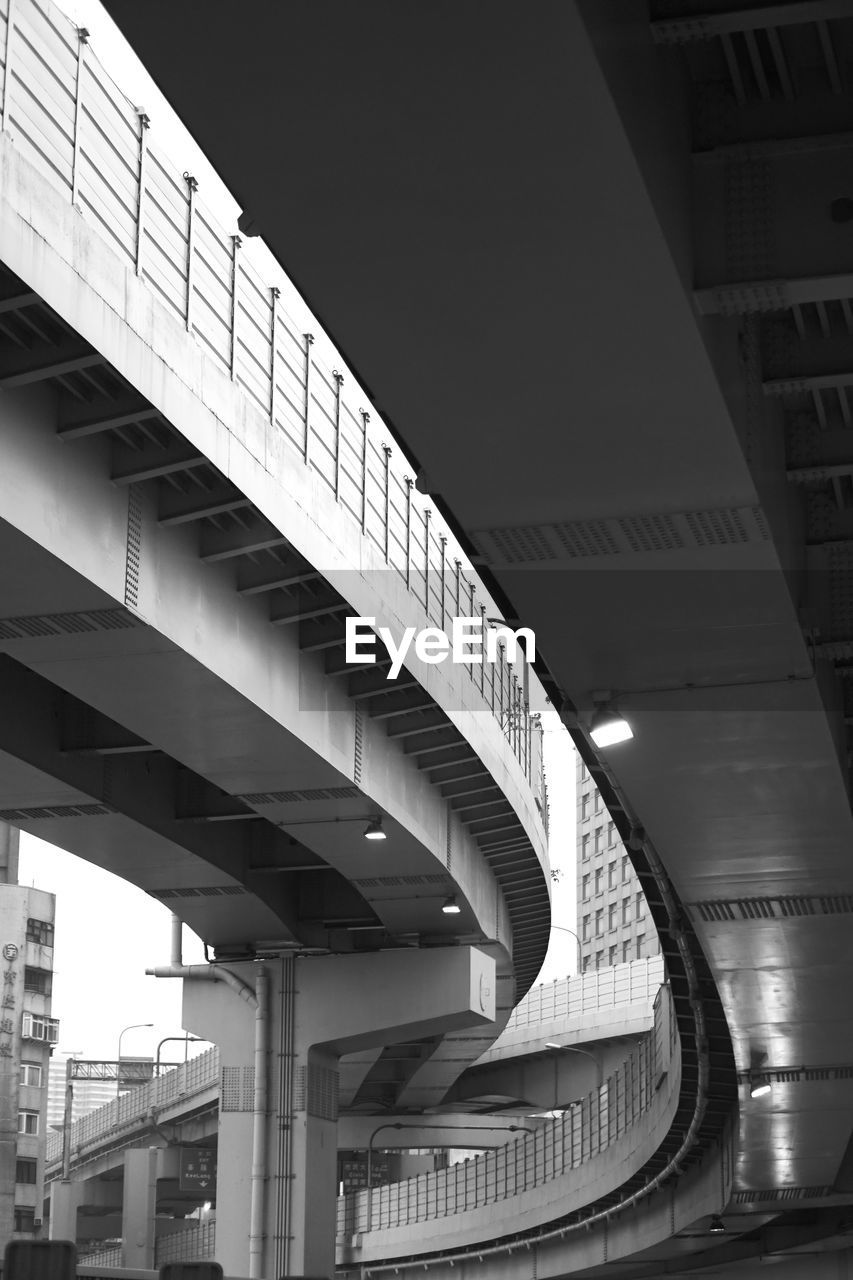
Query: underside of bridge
[(594, 261)]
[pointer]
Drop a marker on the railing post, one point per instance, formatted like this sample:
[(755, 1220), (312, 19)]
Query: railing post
[(427, 518), (192, 188), (338, 377), (82, 41), (144, 123), (365, 418), (458, 564), (235, 282), (308, 339), (443, 542), (409, 483), (275, 294), (7, 62), (386, 448)]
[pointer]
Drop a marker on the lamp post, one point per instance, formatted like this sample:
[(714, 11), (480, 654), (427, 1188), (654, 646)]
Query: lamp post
[(133, 1027), (496, 1128), (562, 929), (570, 1048), (187, 1041)]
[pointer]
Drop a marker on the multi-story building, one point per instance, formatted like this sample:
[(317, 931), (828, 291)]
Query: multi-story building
[(27, 1032), (613, 921)]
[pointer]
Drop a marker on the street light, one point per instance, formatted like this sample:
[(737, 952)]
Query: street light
[(562, 929), (570, 1048), (186, 1040), (497, 1128), (133, 1027)]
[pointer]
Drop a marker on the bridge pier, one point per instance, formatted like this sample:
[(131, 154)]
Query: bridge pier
[(320, 1008)]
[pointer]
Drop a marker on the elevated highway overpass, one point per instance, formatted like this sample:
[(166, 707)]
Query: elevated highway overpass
[(600, 256)]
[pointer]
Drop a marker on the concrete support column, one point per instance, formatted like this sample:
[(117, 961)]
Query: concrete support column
[(139, 1206), (65, 1199), (321, 1007)]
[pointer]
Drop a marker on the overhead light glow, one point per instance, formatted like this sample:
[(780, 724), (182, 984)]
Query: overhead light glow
[(758, 1088), (451, 907), (373, 830), (717, 1227), (549, 1044), (608, 727)]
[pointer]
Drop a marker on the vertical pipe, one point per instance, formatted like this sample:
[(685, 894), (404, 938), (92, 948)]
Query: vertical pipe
[(177, 940), (443, 542), (192, 188), (259, 1127), (144, 123), (427, 518), (82, 40), (66, 1127)]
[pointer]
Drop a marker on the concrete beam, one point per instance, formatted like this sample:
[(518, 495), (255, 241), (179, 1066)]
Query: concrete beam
[(198, 504), (131, 466), (79, 420), (20, 368)]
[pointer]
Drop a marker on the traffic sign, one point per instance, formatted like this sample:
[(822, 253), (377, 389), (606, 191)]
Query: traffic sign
[(197, 1170)]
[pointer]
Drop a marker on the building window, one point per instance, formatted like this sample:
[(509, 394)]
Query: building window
[(599, 922), (585, 930), (40, 931), (31, 1073), (599, 959), (598, 802), (25, 1221), (28, 1123), (585, 965), (599, 831), (611, 833), (626, 952), (611, 916), (641, 941), (25, 1172), (35, 1027), (613, 954), (585, 846), (585, 805), (626, 910), (598, 878), (611, 876), (585, 888), (626, 868), (37, 980), (640, 905)]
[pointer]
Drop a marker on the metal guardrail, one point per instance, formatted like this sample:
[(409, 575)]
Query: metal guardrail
[(189, 1079), (68, 118), (574, 996), (580, 1134)]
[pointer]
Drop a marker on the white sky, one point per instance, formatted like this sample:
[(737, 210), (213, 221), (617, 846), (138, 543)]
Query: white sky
[(108, 931)]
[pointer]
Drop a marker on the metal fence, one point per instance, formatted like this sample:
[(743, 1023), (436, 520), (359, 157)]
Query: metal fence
[(565, 1143), (572, 997), (68, 118), (192, 1245), (193, 1077)]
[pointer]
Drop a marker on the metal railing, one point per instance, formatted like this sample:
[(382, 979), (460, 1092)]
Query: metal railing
[(190, 1078), (68, 118), (574, 996), (192, 1245), (563, 1144)]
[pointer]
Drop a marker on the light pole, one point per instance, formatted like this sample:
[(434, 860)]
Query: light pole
[(187, 1041), (570, 1048), (496, 1128), (562, 929), (133, 1027)]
